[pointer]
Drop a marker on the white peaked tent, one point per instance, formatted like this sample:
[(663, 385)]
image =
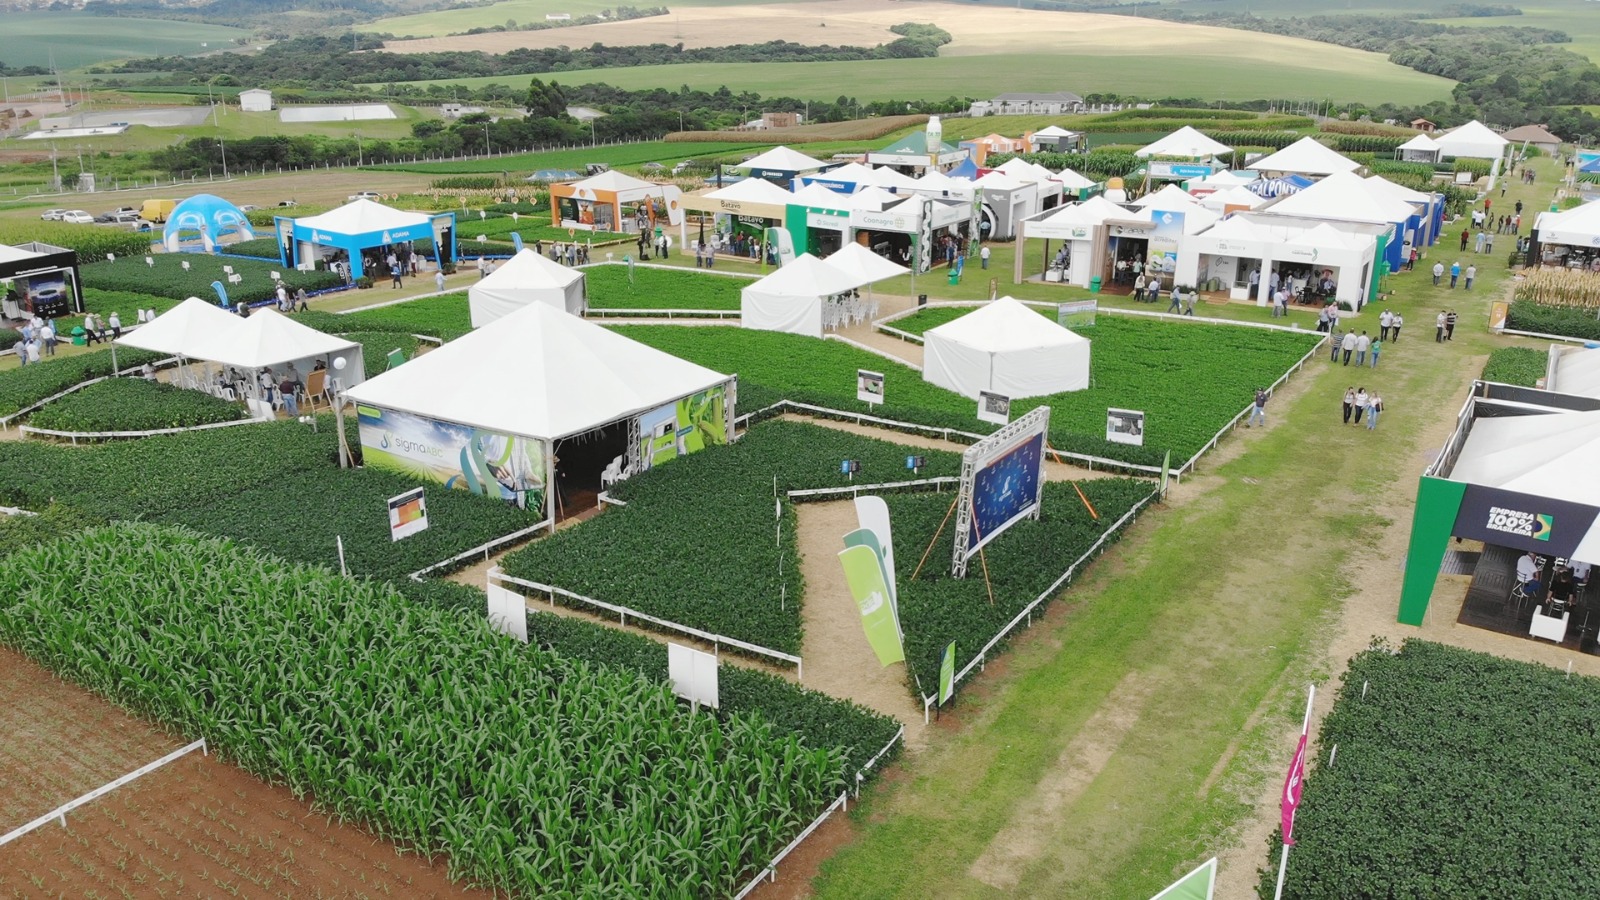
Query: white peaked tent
[(816, 195), (856, 260), (1307, 156), (783, 159), (1343, 196), (1221, 181), (1217, 201), (182, 328), (1004, 347), (523, 279), (1422, 148), (753, 190), (360, 217), (937, 183), (1187, 143), (894, 179), (1171, 198), (873, 199), (1579, 226), (269, 339), (561, 376), (1072, 181), (618, 183), (791, 298), (854, 174), (1473, 140), (1020, 168)]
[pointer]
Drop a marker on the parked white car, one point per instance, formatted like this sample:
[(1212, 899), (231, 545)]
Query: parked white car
[(365, 195), (77, 217), (52, 215)]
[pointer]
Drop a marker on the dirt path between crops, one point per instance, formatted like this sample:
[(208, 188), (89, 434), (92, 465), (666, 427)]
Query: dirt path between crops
[(197, 825)]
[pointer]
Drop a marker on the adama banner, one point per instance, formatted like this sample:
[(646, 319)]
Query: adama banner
[(1545, 525)]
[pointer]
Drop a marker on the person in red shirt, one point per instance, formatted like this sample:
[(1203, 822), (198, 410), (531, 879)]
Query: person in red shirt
[(1464, 237)]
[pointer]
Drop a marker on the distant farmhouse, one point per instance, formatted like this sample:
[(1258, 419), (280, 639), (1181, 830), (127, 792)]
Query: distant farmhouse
[(1025, 104), (255, 100)]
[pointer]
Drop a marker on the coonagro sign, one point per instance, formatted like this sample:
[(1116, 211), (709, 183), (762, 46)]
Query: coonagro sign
[(1514, 521)]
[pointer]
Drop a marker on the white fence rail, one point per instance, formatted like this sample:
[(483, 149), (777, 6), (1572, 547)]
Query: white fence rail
[(624, 612), (938, 482), (483, 550), (593, 313), (60, 812), (1026, 615), (75, 436), (770, 871)]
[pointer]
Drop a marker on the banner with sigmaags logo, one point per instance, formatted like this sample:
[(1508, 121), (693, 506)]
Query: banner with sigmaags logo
[(459, 457), (1545, 525)]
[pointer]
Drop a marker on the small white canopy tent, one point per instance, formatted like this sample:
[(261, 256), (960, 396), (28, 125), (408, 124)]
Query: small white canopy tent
[(894, 180), (182, 328), (1185, 143), (268, 338), (1170, 197), (1221, 181), (1218, 201), (873, 199), (526, 278), (782, 159), (791, 299), (1344, 196), (820, 196), (1005, 348), (851, 177), (1307, 156), (1422, 148), (1076, 225), (860, 262), (753, 190), (1473, 140), (1579, 226), (938, 184), (1577, 371), (1072, 181)]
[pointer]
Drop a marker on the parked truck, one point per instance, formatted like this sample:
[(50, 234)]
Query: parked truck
[(157, 210)]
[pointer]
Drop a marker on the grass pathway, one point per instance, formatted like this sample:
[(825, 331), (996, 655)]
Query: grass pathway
[(1140, 729)]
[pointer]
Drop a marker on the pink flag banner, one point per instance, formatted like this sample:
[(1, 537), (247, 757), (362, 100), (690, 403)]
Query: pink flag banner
[(1292, 786)]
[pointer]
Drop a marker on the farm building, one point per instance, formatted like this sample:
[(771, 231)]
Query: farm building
[(1534, 136), (1054, 103), (1055, 139), (979, 149), (255, 100)]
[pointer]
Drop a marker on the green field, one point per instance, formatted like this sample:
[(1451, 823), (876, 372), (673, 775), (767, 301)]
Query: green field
[(231, 124), (72, 39), (1576, 17), (1333, 73), (620, 156), (526, 12)]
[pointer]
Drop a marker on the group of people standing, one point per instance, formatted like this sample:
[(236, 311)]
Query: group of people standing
[(1444, 326), (38, 340)]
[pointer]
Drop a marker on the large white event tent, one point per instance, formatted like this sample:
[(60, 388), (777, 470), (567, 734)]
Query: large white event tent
[(182, 328), (791, 299), (1187, 142), (1343, 196), (538, 400), (1473, 140), (781, 159), (523, 279), (1576, 371), (1307, 156), (1004, 347), (1421, 148), (1576, 227), (857, 260)]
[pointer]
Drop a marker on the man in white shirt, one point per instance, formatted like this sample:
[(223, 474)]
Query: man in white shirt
[(1348, 345), (1363, 343), (983, 257), (1438, 273), (1527, 569), (1385, 320)]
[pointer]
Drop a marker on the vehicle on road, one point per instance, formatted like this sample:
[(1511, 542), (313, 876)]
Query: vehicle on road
[(52, 215), (288, 203), (365, 195), (77, 217), (157, 210)]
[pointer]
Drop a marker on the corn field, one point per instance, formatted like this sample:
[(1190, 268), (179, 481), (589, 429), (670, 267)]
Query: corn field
[(531, 773), (1560, 287)]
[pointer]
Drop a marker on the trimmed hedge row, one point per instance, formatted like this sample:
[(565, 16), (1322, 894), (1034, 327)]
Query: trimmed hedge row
[(133, 404), (1569, 321)]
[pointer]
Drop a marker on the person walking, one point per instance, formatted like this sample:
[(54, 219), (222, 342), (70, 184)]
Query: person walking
[(1488, 242), (1466, 235), (1361, 403), (983, 257), (1376, 346), (1450, 325), (438, 281), (483, 269), (1374, 406), (1438, 328), (711, 255), (1385, 320), (1477, 242), (1398, 321), (1188, 302), (1438, 273), (1177, 300), (394, 273), (1348, 345), (1411, 261), (1258, 412), (1138, 283), (1472, 272), (47, 336), (1335, 341), (1349, 403), (1455, 273), (116, 325), (1363, 344), (301, 299)]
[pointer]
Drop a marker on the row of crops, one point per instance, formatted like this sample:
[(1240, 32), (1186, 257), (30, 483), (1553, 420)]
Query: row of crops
[(163, 274), (23, 387), (1539, 318), (529, 771), (133, 404), (1458, 774), (1523, 366), (1551, 286)]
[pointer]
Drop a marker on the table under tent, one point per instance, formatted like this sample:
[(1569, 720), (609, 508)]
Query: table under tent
[(541, 399), (1004, 347), (524, 279)]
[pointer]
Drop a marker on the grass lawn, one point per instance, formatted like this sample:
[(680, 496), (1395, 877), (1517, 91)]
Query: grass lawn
[(610, 288), (73, 39), (1114, 755), (1329, 72)]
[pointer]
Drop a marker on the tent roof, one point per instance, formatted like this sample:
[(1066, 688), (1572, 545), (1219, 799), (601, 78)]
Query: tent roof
[(15, 254), (997, 180), (1578, 372), (872, 198), (1546, 455), (1003, 325), (753, 190), (1016, 167), (817, 195), (1220, 180), (364, 217), (1170, 197), (1308, 156), (564, 376), (853, 173), (1342, 195), (808, 276), (267, 338), (1420, 142), (935, 180), (613, 181), (1187, 142), (528, 269), (1474, 134), (886, 177), (1237, 195), (1325, 235), (783, 159), (181, 328), (1583, 219), (1383, 187), (1054, 131), (1534, 134), (1072, 181), (854, 259), (1238, 228), (916, 142), (1092, 211)]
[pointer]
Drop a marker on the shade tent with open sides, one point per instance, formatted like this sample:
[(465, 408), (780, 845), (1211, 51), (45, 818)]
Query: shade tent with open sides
[(792, 298), (190, 324), (541, 398), (1421, 148), (362, 225), (1187, 142), (1004, 347), (1473, 140), (779, 166), (860, 262), (268, 338), (1577, 227), (526, 278)]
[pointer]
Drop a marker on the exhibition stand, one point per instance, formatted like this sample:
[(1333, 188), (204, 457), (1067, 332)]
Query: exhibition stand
[(1187, 143), (558, 408), (1346, 197), (779, 166), (522, 280), (358, 226), (612, 201), (1006, 348), (1307, 156), (747, 207), (1568, 239), (39, 280), (798, 297)]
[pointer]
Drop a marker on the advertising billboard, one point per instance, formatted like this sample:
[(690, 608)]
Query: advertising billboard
[(1002, 482), (683, 427), (459, 457), (1164, 239)]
